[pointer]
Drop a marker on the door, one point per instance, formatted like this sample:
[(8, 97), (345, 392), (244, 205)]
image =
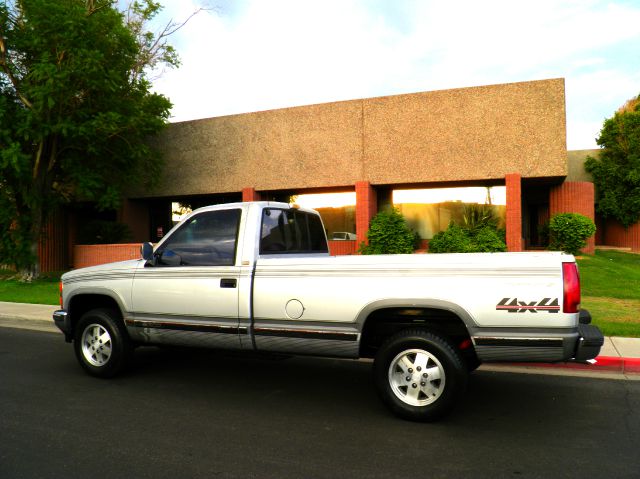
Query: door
[(189, 296)]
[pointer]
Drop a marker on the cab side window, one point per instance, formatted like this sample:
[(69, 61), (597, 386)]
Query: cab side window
[(206, 239)]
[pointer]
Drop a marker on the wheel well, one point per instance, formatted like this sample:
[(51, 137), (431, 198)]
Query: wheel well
[(86, 302), (384, 323)]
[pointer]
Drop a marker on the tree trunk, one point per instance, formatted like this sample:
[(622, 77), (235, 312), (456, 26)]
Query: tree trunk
[(32, 271)]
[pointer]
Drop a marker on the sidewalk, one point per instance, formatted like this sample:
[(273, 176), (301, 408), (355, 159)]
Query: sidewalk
[(28, 316), (618, 356)]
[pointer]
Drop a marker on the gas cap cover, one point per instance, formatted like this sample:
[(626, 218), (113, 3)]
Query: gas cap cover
[(294, 309)]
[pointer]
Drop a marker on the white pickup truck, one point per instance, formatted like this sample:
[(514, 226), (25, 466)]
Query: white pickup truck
[(258, 276)]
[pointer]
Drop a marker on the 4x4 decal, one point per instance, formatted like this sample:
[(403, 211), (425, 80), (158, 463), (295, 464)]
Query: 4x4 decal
[(512, 305)]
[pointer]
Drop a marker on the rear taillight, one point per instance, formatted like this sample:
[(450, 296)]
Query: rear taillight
[(571, 281), (61, 305)]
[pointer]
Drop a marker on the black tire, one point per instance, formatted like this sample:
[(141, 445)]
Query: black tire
[(101, 343), (420, 376), (473, 362)]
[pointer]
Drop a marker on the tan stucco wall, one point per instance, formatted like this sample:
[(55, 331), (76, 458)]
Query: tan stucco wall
[(452, 135), (575, 161)]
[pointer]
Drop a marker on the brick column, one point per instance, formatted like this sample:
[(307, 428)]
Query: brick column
[(366, 208), (514, 212), (250, 194), (574, 197)]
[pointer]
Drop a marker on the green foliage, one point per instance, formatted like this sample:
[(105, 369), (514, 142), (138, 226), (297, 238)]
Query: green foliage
[(76, 112), (478, 239), (103, 232), (488, 240), (616, 173), (477, 216), (389, 234), (452, 240), (569, 232), (478, 233)]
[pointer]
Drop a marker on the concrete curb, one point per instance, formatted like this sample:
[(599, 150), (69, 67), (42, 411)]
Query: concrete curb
[(28, 323), (28, 316)]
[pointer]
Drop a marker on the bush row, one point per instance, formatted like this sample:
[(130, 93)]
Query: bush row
[(389, 234)]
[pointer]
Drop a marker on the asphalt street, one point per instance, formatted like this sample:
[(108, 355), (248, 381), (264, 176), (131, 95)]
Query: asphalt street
[(203, 414)]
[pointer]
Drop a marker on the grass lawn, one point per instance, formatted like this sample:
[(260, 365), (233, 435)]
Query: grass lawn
[(610, 283), (610, 291), (43, 291)]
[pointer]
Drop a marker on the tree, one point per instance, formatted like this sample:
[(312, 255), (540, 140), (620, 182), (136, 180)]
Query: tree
[(76, 111), (616, 173)]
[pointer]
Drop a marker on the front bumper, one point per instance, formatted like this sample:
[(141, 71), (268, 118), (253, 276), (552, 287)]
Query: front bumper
[(62, 321)]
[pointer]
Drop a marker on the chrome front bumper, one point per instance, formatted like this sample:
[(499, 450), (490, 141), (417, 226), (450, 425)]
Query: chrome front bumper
[(62, 321)]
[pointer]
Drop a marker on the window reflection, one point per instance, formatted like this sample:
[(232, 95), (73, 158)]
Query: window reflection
[(338, 212), (430, 211), (291, 231), (207, 239)]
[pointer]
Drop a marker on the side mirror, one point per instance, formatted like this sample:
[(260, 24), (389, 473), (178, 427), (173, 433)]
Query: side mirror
[(146, 250)]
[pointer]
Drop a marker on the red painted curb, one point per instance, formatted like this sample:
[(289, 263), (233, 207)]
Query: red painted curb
[(632, 365), (603, 364)]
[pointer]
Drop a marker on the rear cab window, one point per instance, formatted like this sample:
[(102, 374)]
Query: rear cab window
[(290, 231)]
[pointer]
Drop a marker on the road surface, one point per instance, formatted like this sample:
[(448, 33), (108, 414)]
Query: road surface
[(202, 414)]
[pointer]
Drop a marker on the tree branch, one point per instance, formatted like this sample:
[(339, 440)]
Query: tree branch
[(36, 165), (53, 154), (91, 8), (178, 26), (9, 73), (151, 54)]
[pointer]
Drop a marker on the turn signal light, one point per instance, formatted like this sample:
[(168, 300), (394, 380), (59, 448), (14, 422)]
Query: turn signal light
[(60, 287)]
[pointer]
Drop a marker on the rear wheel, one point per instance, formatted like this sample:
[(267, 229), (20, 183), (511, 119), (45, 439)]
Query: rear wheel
[(419, 375), (101, 343)]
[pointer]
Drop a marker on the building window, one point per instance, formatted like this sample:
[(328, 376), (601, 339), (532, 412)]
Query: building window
[(430, 211), (338, 212)]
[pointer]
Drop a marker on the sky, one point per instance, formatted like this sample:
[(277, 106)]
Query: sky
[(252, 55)]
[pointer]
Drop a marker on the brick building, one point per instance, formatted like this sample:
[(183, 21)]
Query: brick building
[(508, 140)]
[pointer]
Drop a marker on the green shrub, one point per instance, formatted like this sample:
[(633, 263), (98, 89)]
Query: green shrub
[(480, 239), (389, 234), (569, 232), (488, 240), (452, 240)]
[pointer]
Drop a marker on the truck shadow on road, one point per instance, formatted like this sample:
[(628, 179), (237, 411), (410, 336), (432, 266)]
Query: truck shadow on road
[(276, 384)]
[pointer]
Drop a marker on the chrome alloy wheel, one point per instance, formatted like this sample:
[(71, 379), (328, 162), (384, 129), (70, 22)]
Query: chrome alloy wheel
[(96, 345), (416, 377)]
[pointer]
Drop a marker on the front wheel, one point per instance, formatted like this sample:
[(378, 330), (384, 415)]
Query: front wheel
[(419, 375), (101, 343)]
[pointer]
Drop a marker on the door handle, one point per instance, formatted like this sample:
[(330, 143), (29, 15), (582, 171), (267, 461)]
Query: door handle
[(228, 283)]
